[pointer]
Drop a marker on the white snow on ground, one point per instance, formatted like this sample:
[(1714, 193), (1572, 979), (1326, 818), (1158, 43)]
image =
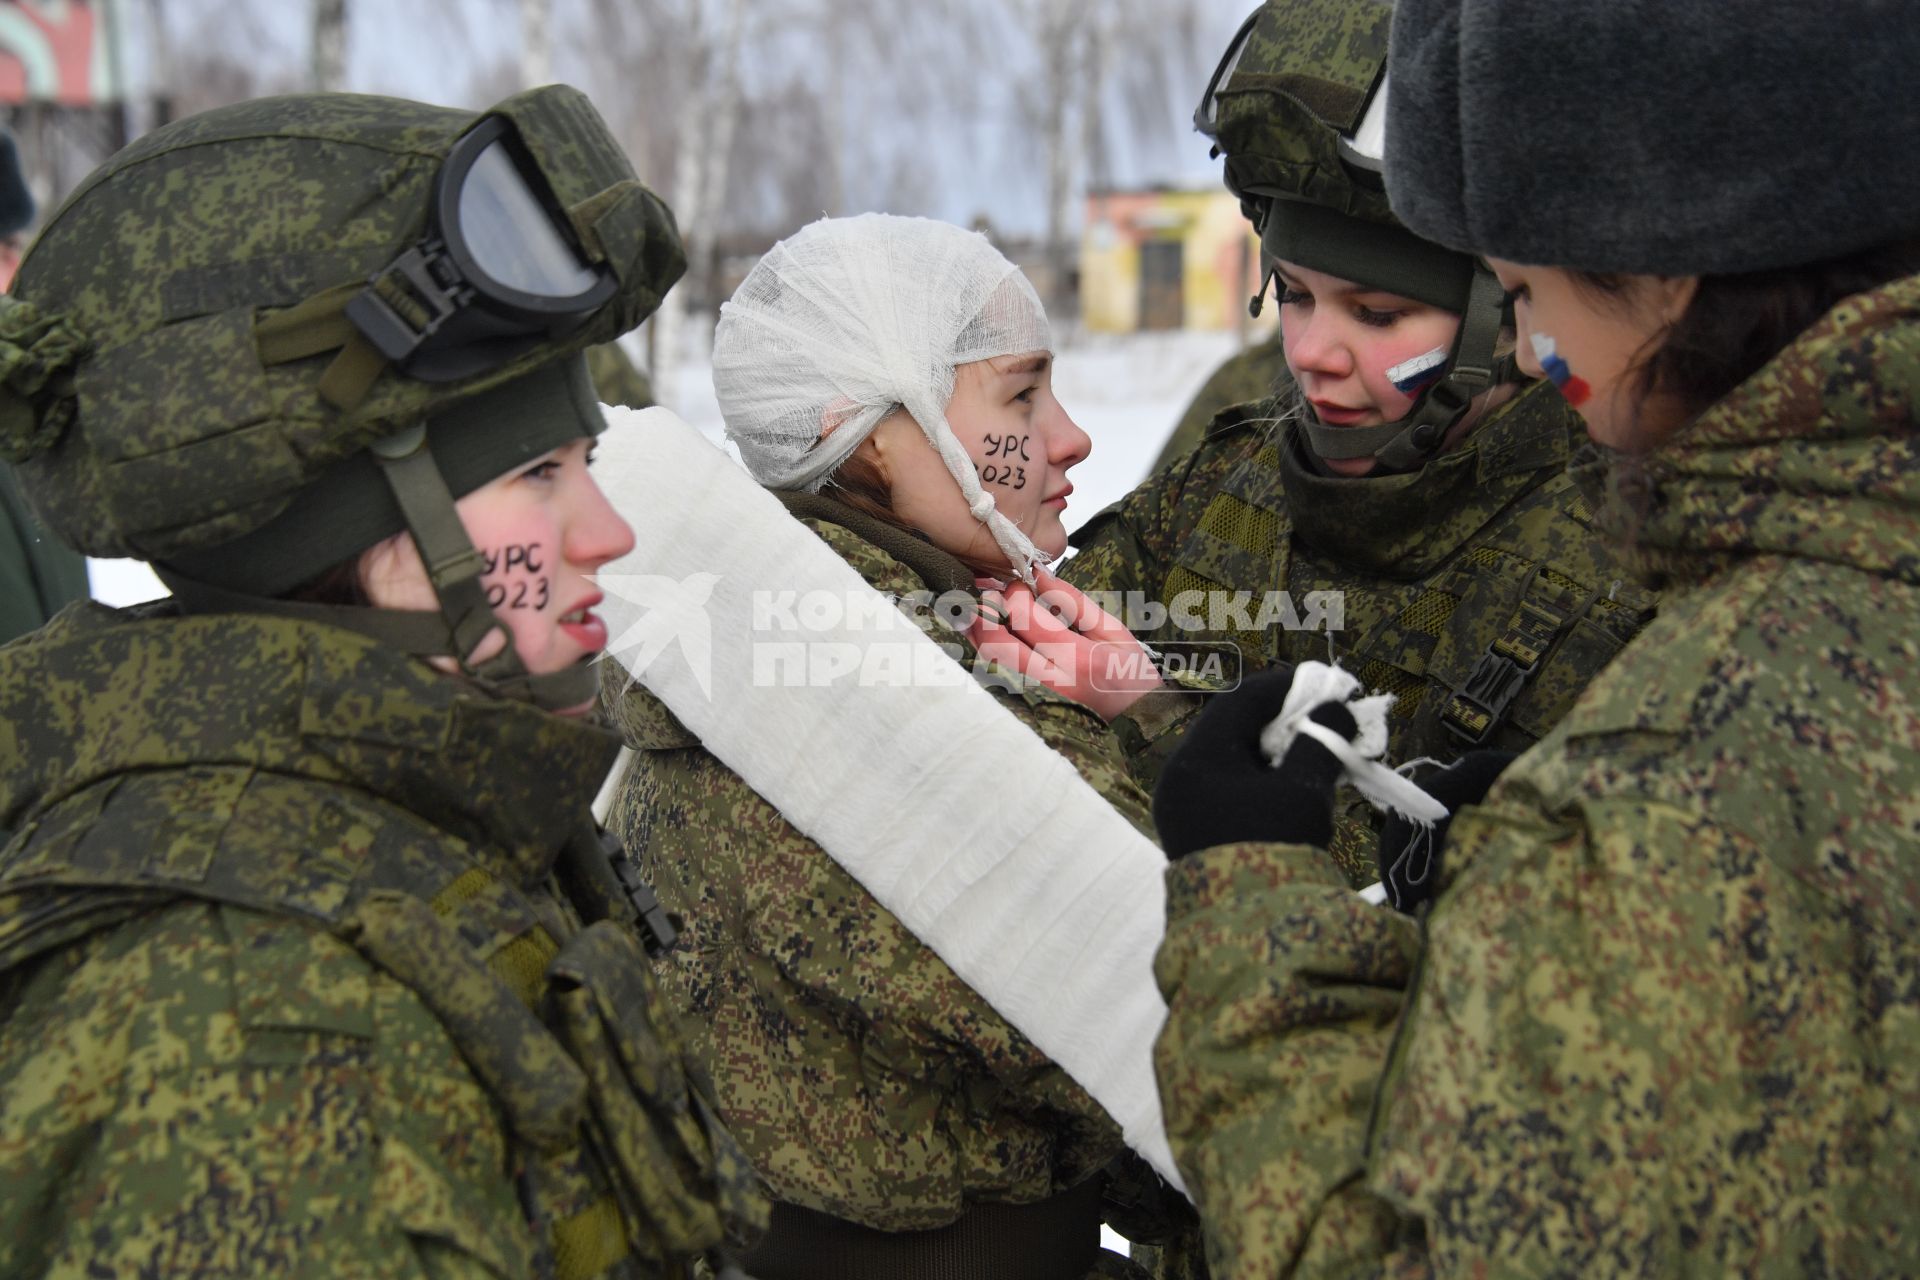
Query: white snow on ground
[(1126, 390)]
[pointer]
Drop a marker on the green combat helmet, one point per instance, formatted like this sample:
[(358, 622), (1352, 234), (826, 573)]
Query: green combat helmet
[(1298, 106), (261, 339)]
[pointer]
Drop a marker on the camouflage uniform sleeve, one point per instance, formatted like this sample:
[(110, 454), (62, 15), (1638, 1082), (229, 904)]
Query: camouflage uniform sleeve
[(1150, 729), (1283, 988), (209, 1091)]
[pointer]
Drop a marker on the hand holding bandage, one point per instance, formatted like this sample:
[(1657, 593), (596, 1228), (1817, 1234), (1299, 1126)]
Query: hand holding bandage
[(1262, 763)]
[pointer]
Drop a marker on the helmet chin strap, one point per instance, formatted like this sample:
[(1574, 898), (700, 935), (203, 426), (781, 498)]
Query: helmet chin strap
[(454, 567), (1412, 441)]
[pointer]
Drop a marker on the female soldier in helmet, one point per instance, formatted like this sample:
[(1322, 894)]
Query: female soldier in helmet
[(1405, 467), (310, 958)]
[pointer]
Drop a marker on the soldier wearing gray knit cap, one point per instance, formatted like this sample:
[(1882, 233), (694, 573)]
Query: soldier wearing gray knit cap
[(1658, 136)]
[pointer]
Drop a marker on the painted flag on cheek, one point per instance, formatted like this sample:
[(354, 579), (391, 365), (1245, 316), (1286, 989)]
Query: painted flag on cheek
[(1547, 352), (1409, 376)]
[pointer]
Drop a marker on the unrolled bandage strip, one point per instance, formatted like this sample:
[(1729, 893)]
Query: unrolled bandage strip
[(1316, 683), (1046, 901)]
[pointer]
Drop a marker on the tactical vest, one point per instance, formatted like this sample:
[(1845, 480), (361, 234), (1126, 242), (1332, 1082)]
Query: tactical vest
[(624, 1172), (1476, 591)]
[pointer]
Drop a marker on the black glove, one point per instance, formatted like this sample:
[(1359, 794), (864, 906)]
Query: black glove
[(1409, 854), (1140, 1204), (1218, 788)]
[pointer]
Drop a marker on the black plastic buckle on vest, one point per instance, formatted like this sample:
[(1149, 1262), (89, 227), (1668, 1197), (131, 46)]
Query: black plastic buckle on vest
[(658, 929), (1478, 707)]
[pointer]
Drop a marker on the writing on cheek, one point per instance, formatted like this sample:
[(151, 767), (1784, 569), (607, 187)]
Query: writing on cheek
[(1005, 471), (1007, 446), (524, 556), (520, 582)]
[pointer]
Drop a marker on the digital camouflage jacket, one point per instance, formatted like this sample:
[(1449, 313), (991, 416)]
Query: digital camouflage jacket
[(1241, 379), (863, 1078), (1663, 1018), (297, 975), (1475, 590)]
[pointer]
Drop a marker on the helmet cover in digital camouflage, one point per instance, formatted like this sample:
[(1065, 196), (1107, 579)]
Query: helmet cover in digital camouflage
[(135, 384), (1293, 87), (1290, 95)]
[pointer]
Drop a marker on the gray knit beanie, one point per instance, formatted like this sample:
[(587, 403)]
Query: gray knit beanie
[(1669, 137)]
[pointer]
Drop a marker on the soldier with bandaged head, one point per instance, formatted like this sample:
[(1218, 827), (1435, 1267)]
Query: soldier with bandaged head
[(890, 380), (1659, 1013), (311, 959)]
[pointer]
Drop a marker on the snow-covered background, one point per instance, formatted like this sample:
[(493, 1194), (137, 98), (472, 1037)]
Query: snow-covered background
[(1127, 391)]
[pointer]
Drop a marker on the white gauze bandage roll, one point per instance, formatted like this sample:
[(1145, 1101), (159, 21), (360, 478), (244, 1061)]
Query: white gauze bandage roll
[(849, 318), (985, 842)]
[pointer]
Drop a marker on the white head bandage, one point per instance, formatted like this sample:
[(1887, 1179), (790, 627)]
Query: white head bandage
[(851, 317)]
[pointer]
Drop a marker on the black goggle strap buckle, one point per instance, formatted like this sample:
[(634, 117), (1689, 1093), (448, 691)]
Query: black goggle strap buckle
[(407, 301), (453, 566)]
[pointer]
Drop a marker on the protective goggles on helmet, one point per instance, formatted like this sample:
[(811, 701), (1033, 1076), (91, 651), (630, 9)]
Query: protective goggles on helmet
[(1366, 147), (1206, 116), (497, 272)]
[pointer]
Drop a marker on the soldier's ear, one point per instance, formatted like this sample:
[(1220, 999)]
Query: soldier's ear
[(874, 450), (1673, 295)]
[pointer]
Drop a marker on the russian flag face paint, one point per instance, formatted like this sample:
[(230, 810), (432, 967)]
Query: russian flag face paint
[(1409, 376), (1547, 352)]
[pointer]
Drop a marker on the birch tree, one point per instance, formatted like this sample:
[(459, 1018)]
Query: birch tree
[(329, 44)]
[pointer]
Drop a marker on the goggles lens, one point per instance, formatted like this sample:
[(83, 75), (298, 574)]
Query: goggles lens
[(496, 274), (510, 234), (1206, 118)]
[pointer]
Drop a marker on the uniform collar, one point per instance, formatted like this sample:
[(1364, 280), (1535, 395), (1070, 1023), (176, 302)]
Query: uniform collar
[(1814, 456), (1404, 527)]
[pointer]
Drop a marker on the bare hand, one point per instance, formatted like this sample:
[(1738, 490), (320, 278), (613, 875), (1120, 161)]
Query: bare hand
[(1066, 642)]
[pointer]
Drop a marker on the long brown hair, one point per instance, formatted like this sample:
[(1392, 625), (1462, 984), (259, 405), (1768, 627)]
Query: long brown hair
[(1736, 323)]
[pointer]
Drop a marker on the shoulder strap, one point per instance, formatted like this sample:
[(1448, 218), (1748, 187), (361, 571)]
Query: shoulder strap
[(478, 951), (370, 875), (1242, 542)]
